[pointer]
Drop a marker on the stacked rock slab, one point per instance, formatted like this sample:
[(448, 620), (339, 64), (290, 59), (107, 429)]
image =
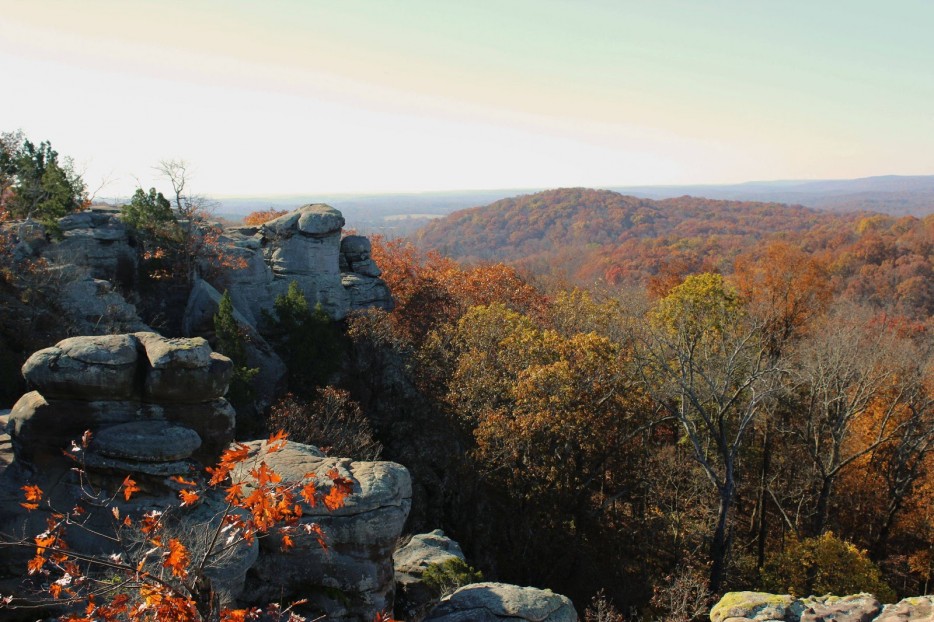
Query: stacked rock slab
[(495, 602), (352, 579), (765, 607), (304, 246), (151, 404)]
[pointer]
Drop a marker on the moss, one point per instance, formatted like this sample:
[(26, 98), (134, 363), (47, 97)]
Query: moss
[(751, 602)]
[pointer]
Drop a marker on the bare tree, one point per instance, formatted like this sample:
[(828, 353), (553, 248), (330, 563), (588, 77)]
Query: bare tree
[(854, 374)]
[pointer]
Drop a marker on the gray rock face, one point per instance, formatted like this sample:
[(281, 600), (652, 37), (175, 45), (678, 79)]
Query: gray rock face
[(353, 580), (425, 550), (304, 246), (183, 370), (493, 602), (760, 606), (99, 241), (94, 308)]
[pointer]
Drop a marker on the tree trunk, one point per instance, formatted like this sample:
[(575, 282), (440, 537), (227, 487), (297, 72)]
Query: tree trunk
[(719, 545), (761, 514), (823, 506)]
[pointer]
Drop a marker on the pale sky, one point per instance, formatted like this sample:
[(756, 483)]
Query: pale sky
[(309, 96)]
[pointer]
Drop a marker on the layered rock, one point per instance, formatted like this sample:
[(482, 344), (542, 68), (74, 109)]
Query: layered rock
[(353, 578), (765, 607), (494, 602), (97, 239)]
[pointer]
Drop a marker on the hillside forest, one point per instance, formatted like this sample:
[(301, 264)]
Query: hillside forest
[(639, 404)]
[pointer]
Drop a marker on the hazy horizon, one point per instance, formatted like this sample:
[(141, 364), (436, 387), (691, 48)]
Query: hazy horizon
[(363, 97)]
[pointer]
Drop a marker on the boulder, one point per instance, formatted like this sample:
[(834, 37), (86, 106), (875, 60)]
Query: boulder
[(425, 550), (183, 369), (413, 598), (304, 246), (366, 292), (494, 602), (751, 606), (353, 579), (101, 367), (916, 609), (854, 608), (99, 241), (764, 607)]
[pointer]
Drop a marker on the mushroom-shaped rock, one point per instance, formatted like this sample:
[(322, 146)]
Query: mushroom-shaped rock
[(314, 220), (85, 368), (760, 606), (494, 602), (353, 579), (183, 369)]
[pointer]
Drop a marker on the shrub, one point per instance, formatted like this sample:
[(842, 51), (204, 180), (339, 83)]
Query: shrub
[(824, 565), (305, 338), (332, 422), (231, 343), (446, 577)]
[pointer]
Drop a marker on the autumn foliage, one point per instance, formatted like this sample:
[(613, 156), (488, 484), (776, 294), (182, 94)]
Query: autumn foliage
[(255, 219)]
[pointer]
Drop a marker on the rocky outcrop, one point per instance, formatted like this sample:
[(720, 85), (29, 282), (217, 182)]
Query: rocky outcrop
[(494, 602), (154, 409), (98, 240), (353, 578), (304, 246), (764, 607), (413, 597)]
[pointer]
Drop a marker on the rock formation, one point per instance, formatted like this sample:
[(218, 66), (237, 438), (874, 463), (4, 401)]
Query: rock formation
[(764, 607), (155, 409), (304, 246), (495, 602), (353, 579), (413, 597)]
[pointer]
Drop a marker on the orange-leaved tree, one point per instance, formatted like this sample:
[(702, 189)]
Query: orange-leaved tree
[(160, 567), (255, 219)]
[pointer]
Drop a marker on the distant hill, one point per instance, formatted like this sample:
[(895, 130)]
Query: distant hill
[(583, 233), (896, 195), (402, 213)]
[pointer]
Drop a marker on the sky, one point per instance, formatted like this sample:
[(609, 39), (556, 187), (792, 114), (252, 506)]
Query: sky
[(358, 96)]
